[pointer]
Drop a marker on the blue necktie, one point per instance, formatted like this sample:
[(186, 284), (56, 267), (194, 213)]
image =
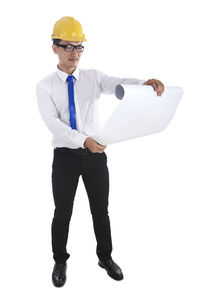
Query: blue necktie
[(71, 101)]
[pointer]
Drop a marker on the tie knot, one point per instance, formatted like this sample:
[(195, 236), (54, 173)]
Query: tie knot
[(70, 78)]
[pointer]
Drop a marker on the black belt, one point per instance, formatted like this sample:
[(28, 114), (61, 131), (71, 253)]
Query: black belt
[(78, 151)]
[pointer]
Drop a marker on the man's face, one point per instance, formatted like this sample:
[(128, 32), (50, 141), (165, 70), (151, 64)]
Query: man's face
[(67, 59)]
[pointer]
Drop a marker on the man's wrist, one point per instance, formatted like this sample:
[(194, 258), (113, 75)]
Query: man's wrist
[(84, 144)]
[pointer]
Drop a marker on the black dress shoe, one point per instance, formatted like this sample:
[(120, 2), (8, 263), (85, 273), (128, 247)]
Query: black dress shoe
[(59, 274), (112, 269)]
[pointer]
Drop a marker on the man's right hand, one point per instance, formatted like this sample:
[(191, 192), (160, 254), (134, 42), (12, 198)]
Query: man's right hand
[(93, 146)]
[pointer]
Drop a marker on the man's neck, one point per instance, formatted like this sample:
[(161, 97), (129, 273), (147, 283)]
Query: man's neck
[(66, 70)]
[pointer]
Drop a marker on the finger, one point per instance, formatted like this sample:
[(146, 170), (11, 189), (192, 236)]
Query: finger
[(160, 85), (99, 151), (101, 148), (150, 82), (101, 145), (159, 89), (154, 85)]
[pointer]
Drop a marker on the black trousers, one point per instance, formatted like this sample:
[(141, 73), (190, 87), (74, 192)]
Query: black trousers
[(67, 166)]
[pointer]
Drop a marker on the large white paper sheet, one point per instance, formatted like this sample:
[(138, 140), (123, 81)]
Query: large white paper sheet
[(140, 112)]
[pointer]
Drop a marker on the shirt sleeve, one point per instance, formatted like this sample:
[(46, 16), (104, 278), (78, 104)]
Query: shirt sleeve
[(51, 118), (108, 83)]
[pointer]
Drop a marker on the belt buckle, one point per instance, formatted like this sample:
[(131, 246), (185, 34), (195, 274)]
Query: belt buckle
[(81, 151)]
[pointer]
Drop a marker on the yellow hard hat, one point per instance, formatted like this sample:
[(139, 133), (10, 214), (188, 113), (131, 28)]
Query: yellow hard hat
[(68, 29)]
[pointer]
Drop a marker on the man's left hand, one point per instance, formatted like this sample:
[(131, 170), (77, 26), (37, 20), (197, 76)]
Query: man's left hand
[(157, 85)]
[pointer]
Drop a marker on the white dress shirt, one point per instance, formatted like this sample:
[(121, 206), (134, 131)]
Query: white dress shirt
[(53, 103)]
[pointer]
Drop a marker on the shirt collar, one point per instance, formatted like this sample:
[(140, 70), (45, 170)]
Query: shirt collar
[(63, 75)]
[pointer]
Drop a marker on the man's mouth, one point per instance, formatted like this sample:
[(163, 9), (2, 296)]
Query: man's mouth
[(73, 59)]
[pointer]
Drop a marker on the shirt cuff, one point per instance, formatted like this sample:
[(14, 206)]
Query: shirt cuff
[(141, 81), (80, 139)]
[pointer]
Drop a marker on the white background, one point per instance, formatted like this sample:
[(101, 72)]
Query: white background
[(154, 181)]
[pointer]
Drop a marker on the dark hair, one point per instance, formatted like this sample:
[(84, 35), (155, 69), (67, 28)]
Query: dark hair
[(56, 41)]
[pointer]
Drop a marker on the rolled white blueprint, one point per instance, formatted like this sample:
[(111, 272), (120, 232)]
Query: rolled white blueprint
[(139, 113)]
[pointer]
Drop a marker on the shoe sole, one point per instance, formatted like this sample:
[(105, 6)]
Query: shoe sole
[(116, 278)]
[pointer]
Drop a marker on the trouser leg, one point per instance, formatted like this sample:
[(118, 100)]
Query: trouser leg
[(96, 181), (65, 176)]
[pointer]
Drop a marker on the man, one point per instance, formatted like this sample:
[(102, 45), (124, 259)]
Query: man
[(68, 104)]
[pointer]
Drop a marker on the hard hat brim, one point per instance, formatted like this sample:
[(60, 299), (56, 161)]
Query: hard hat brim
[(70, 39)]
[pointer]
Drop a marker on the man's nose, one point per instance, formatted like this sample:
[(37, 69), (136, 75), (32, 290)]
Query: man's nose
[(74, 52)]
